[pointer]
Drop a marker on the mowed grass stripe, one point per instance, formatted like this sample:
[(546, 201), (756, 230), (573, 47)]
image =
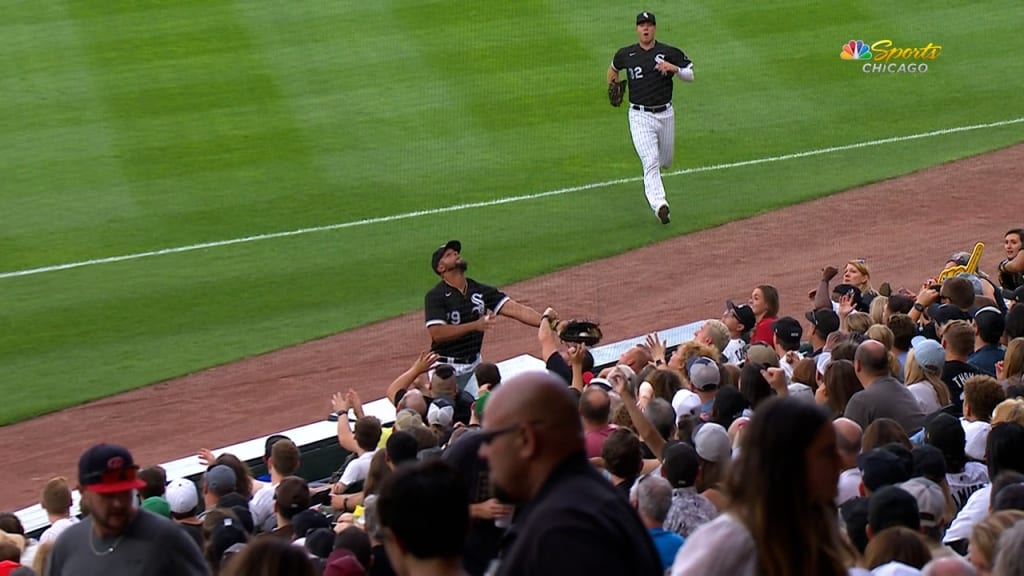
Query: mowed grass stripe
[(148, 319), (379, 120)]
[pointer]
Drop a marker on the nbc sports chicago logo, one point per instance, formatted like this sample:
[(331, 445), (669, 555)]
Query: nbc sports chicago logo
[(884, 58)]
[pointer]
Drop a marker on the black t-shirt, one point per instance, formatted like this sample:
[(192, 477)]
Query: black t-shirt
[(578, 523), (648, 86), (1009, 280), (954, 374), (446, 305), (484, 538)]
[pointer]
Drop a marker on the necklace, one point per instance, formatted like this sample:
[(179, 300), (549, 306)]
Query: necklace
[(109, 549)]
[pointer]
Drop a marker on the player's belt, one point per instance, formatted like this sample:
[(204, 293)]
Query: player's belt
[(651, 109), (459, 359)]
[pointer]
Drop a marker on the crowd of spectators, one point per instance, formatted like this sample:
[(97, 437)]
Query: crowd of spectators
[(880, 432)]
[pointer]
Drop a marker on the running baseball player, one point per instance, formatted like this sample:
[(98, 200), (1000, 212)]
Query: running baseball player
[(650, 67)]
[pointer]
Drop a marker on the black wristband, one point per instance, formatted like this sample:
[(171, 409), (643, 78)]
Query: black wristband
[(918, 307)]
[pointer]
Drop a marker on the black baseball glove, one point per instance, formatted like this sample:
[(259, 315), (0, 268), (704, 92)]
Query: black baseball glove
[(581, 332), (616, 90)]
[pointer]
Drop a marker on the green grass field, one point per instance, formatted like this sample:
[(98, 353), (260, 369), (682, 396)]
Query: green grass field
[(131, 126)]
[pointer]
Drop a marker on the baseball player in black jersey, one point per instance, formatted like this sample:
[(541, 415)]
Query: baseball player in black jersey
[(459, 310), (650, 68)]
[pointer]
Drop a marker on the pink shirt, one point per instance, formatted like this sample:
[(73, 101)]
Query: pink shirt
[(594, 440)]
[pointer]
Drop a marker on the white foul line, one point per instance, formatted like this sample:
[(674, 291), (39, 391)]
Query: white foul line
[(498, 201)]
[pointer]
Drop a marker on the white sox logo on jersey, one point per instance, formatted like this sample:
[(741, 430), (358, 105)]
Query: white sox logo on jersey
[(478, 303)]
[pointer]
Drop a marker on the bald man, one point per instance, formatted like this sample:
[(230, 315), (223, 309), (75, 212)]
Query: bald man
[(569, 520), (848, 442), (949, 566), (883, 396)]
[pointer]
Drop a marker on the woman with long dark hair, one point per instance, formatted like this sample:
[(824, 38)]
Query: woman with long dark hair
[(780, 519), (764, 301)]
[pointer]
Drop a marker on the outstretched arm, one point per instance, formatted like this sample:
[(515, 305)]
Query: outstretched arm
[(423, 363), (520, 312)]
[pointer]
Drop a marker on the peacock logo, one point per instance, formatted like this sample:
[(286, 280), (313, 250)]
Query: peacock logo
[(855, 50)]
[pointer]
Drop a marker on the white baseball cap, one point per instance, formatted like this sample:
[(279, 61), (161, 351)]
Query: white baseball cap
[(182, 495)]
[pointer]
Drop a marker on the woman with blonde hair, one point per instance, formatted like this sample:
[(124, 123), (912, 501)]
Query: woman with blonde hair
[(857, 322), (877, 309), (923, 376), (882, 333), (985, 535), (858, 274), (1009, 410), (1010, 371)]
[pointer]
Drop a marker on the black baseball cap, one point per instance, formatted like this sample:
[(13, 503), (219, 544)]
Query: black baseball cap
[(825, 321), (646, 17), (744, 313), (439, 253), (893, 506), (945, 313), (843, 289), (789, 328), (107, 469), (945, 433), (929, 462), (680, 465), (880, 467)]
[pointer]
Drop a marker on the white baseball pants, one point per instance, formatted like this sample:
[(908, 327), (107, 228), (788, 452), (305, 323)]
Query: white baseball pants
[(654, 138)]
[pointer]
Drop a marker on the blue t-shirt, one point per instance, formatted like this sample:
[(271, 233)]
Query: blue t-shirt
[(668, 544), (985, 358)]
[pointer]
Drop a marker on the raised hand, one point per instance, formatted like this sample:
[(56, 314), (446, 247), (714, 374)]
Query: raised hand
[(846, 305), (206, 456), (339, 402), (352, 398), (776, 377), (657, 347), (577, 353), (425, 361)]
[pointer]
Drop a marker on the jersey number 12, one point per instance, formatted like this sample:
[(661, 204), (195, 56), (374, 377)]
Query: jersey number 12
[(635, 72)]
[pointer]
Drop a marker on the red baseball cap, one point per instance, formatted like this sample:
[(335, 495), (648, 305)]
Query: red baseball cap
[(108, 468)]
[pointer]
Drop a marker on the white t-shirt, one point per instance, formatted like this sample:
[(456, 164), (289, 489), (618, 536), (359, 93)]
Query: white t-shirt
[(849, 486), (963, 484), (977, 437), (55, 529), (785, 364), (973, 512), (357, 469), (262, 505), (926, 397), (735, 351), (722, 546)]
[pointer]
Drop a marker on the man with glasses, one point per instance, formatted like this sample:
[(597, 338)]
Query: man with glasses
[(569, 519)]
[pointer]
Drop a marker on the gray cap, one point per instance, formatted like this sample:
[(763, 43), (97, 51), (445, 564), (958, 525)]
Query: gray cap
[(221, 480), (928, 353)]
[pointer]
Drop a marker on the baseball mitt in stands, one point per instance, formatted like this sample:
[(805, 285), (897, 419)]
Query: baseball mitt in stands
[(581, 332)]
